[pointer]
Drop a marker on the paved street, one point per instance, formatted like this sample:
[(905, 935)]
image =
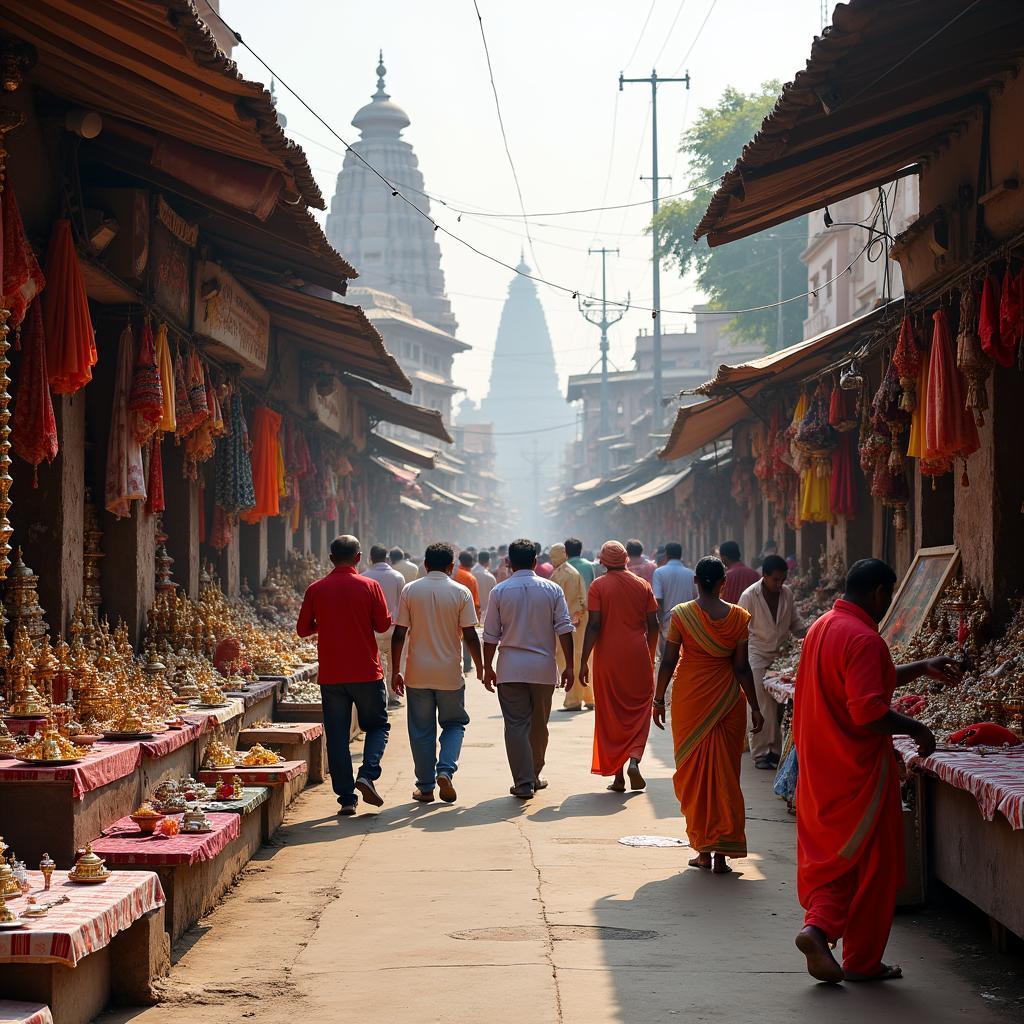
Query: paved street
[(491, 910)]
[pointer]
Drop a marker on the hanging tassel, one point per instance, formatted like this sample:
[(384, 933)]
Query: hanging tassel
[(965, 480)]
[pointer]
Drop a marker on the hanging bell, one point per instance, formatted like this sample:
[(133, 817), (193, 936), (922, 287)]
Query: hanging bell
[(851, 379)]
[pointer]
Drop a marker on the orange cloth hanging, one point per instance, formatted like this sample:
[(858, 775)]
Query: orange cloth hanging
[(949, 428), (168, 421), (70, 341), (266, 425), (33, 425)]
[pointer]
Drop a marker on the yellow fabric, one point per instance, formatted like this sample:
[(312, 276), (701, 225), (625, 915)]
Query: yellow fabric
[(163, 361), (814, 500), (915, 444)]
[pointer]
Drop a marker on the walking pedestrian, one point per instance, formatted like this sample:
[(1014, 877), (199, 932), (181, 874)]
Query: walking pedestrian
[(464, 575), (575, 592), (391, 582), (849, 819), (708, 716), (738, 576), (485, 582), (345, 610), (672, 584), (636, 563), (526, 616), (439, 617), (773, 619), (544, 566), (574, 553), (400, 560), (502, 570), (622, 631)]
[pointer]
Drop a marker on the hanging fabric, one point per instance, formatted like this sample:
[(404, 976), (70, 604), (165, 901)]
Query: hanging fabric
[(70, 341), (146, 402), (184, 419), (915, 442), (23, 278), (949, 429), (165, 364), (126, 478), (233, 490), (907, 360), (842, 495), (266, 425), (970, 361), (155, 503), (33, 424)]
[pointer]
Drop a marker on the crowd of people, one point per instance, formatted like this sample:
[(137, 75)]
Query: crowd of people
[(615, 633)]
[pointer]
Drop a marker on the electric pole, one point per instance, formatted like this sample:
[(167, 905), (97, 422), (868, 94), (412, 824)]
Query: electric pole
[(654, 81), (778, 315), (604, 323)]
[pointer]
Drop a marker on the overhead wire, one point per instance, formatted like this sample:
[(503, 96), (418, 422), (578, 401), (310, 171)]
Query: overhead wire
[(686, 56), (668, 34), (639, 38)]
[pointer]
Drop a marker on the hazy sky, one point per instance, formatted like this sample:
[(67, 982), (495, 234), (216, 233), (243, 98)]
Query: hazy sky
[(575, 139)]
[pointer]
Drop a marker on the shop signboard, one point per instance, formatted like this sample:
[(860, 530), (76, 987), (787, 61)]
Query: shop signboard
[(170, 269), (331, 410), (235, 324)]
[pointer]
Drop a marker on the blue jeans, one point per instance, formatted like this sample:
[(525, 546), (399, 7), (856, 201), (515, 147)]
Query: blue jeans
[(371, 703), (427, 708)]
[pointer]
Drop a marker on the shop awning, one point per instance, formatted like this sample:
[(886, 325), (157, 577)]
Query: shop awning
[(338, 332), (416, 506), (382, 405), (455, 499), (885, 87), (444, 466), (653, 488), (468, 519), (404, 474), (157, 64), (401, 451), (698, 425)]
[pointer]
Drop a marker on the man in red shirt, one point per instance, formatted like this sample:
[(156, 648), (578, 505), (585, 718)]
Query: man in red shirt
[(737, 575), (345, 611), (849, 821), (636, 563)]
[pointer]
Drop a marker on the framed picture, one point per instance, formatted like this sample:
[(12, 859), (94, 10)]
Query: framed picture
[(919, 592)]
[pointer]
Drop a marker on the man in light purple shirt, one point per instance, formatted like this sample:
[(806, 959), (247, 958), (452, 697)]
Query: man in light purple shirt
[(392, 583), (526, 617)]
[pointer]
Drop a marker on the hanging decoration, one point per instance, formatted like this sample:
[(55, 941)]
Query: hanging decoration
[(266, 426), (969, 358), (67, 327), (126, 478), (915, 439), (168, 421), (889, 418), (907, 360), (814, 441), (145, 401), (155, 503), (23, 278), (233, 488), (949, 430), (33, 425)]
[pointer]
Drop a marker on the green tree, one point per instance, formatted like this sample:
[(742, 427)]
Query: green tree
[(743, 273)]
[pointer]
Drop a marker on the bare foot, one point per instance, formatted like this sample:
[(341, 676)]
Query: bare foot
[(821, 964), (887, 973), (618, 784), (721, 865), (636, 780), (702, 861)]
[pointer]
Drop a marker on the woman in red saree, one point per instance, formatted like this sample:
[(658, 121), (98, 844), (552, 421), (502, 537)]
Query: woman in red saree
[(709, 716)]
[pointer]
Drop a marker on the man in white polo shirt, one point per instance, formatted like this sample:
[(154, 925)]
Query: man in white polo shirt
[(439, 615)]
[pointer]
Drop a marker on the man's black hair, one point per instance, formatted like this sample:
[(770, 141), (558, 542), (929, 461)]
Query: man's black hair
[(438, 557), (773, 563), (484, 557), (466, 559), (868, 575), (396, 554), (729, 549), (634, 548), (573, 547), (673, 550), (522, 554), (378, 553)]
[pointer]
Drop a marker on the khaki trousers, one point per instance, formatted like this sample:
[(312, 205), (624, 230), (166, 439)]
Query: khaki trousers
[(769, 739), (526, 708), (579, 694)]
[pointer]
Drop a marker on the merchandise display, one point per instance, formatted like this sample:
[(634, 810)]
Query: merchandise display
[(89, 869), (259, 756)]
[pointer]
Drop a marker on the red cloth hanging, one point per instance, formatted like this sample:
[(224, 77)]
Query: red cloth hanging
[(70, 341), (907, 361), (842, 494), (949, 429), (1010, 309), (989, 326), (33, 425), (185, 421), (842, 409), (146, 400), (220, 533), (266, 426), (22, 277), (155, 503)]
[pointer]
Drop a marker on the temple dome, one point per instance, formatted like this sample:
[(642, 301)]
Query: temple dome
[(380, 116)]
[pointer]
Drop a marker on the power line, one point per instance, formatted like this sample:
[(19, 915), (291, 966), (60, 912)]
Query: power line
[(668, 34), (686, 56), (643, 29), (504, 136)]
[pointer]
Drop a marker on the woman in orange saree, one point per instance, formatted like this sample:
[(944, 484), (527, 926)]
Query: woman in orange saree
[(709, 716)]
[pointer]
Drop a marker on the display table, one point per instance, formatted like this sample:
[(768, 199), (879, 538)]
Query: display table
[(285, 782), (296, 711), (67, 959), (252, 797), (298, 741), (976, 814), (24, 1013), (258, 700), (194, 870)]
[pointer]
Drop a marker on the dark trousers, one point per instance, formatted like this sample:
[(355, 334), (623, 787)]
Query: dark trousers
[(526, 708), (371, 703)]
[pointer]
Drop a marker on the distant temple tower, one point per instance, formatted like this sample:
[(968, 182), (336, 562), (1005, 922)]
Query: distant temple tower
[(526, 405)]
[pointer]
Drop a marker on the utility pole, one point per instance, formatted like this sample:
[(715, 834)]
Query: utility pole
[(778, 314), (654, 81), (604, 323)]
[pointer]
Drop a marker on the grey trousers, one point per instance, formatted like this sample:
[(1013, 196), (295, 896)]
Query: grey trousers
[(526, 708)]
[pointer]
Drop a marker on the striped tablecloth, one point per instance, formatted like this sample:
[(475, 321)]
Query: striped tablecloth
[(260, 776), (125, 843), (12, 1012), (252, 797), (94, 916), (780, 688), (107, 763), (282, 732), (993, 776)]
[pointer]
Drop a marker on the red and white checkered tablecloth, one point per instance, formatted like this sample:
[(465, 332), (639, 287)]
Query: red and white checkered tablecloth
[(94, 916), (260, 776), (780, 688), (994, 777), (107, 763), (125, 843), (12, 1012), (282, 732)]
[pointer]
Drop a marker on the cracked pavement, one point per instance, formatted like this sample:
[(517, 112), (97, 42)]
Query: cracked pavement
[(490, 909)]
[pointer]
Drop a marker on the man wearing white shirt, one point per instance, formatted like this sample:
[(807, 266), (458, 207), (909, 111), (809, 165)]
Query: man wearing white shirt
[(485, 581), (773, 619), (391, 582)]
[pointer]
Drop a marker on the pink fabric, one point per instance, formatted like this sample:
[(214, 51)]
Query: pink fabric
[(259, 776), (780, 688), (25, 725), (995, 780), (108, 763), (173, 739), (125, 843), (12, 1012), (96, 914), (295, 732)]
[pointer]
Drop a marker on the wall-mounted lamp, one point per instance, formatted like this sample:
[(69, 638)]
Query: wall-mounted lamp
[(86, 123)]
